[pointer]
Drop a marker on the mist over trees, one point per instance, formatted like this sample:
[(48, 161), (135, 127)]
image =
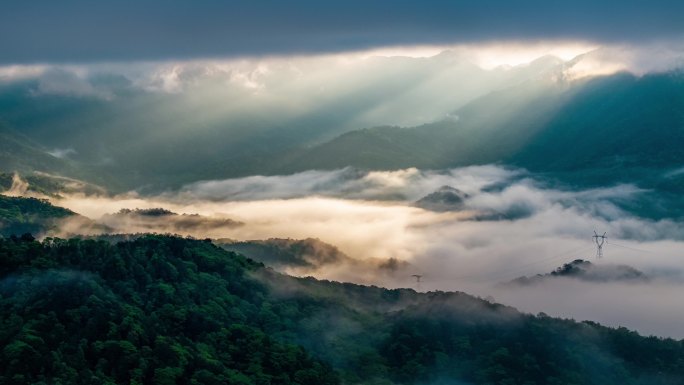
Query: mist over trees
[(20, 215), (165, 310)]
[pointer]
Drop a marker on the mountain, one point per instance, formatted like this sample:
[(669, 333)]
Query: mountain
[(587, 133), (311, 256), (160, 220), (46, 169), (586, 271), (445, 198), (488, 129), (590, 130), (135, 127), (607, 133), (165, 310), (19, 153), (38, 183), (584, 132), (613, 125), (30, 215), (307, 253)]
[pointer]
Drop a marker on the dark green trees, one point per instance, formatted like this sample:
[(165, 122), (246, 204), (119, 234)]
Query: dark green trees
[(168, 310)]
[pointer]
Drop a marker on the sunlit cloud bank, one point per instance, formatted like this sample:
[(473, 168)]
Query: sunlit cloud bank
[(20, 72), (349, 90), (348, 183), (491, 55), (536, 229), (609, 60)]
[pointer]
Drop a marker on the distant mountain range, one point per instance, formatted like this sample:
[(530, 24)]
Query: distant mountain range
[(616, 127), (586, 132)]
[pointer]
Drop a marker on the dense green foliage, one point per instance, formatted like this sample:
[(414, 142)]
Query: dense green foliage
[(20, 215), (167, 310), (283, 253), (155, 310)]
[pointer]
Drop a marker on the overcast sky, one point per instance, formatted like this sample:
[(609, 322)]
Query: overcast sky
[(87, 31)]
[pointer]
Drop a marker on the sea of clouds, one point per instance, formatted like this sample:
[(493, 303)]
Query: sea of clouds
[(511, 224)]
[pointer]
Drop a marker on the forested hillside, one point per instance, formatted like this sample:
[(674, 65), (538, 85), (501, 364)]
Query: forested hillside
[(168, 310), (283, 253), (19, 215)]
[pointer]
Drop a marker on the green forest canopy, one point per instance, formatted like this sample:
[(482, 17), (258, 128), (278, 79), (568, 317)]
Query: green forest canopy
[(169, 310), (19, 215)]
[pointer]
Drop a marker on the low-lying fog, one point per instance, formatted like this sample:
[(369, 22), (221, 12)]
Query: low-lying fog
[(498, 225)]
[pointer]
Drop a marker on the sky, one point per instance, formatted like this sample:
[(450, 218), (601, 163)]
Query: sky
[(126, 30)]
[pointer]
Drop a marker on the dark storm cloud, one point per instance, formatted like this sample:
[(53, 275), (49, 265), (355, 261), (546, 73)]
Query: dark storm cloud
[(79, 30)]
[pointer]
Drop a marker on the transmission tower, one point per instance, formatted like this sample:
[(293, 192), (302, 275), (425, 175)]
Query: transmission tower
[(417, 277), (599, 240)]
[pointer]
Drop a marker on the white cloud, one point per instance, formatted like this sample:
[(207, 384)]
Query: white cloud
[(452, 250), (21, 72), (66, 82), (639, 60), (62, 152), (652, 309), (349, 183), (402, 86)]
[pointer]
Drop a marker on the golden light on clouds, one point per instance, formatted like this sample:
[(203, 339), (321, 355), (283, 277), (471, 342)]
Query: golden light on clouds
[(490, 55)]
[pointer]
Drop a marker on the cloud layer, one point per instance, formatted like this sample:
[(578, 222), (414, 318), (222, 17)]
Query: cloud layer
[(460, 250)]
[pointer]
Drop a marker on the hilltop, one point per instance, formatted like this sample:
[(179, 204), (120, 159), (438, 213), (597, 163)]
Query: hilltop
[(164, 310)]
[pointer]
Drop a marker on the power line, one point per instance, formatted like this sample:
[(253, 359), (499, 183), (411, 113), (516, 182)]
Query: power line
[(627, 247), (600, 240), (517, 269), (525, 267)]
